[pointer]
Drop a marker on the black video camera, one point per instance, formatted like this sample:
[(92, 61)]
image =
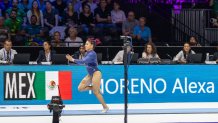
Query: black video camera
[(56, 106)]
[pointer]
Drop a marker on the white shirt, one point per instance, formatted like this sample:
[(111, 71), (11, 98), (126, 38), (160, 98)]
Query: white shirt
[(118, 16), (180, 56), (70, 43), (48, 57), (119, 56), (144, 55), (3, 55)]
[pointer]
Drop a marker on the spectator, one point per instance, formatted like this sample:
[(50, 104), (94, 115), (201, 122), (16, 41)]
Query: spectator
[(20, 13), (182, 56), (103, 16), (87, 18), (92, 5), (60, 5), (150, 51), (4, 32), (70, 16), (119, 56), (215, 55), (33, 32), (50, 16), (141, 32), (7, 53), (37, 12), (4, 6), (57, 42), (129, 24), (214, 5), (46, 55), (81, 53), (117, 15), (73, 40), (13, 23), (24, 5), (193, 41), (41, 4)]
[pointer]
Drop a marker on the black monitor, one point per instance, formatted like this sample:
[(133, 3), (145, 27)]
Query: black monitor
[(195, 58), (59, 59), (21, 58), (134, 58)]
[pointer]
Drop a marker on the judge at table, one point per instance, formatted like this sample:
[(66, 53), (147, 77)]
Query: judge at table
[(7, 53), (46, 55)]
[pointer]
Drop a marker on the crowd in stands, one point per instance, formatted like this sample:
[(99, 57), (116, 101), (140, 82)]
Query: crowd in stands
[(68, 22)]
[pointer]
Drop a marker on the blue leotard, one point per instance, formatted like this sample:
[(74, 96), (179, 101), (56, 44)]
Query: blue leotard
[(90, 60)]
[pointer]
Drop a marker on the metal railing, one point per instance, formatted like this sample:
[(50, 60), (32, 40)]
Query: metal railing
[(211, 34), (192, 22), (185, 22)]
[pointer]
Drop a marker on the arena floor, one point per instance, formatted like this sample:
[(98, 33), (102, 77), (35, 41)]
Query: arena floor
[(92, 114), (139, 118)]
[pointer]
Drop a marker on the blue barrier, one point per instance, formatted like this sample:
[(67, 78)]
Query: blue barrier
[(147, 84)]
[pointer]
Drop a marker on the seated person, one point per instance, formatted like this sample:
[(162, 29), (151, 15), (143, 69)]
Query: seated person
[(182, 56), (72, 40), (193, 41), (35, 10), (33, 32), (103, 16), (81, 53), (70, 17), (119, 56), (50, 16), (14, 25), (142, 33), (7, 53), (60, 5), (20, 13), (57, 42), (46, 55), (150, 51), (86, 19), (215, 56), (129, 24), (117, 15)]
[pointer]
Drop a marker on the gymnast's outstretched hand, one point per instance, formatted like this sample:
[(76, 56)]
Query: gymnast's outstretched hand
[(70, 58)]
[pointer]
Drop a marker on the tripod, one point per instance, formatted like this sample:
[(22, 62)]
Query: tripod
[(56, 105), (127, 41)]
